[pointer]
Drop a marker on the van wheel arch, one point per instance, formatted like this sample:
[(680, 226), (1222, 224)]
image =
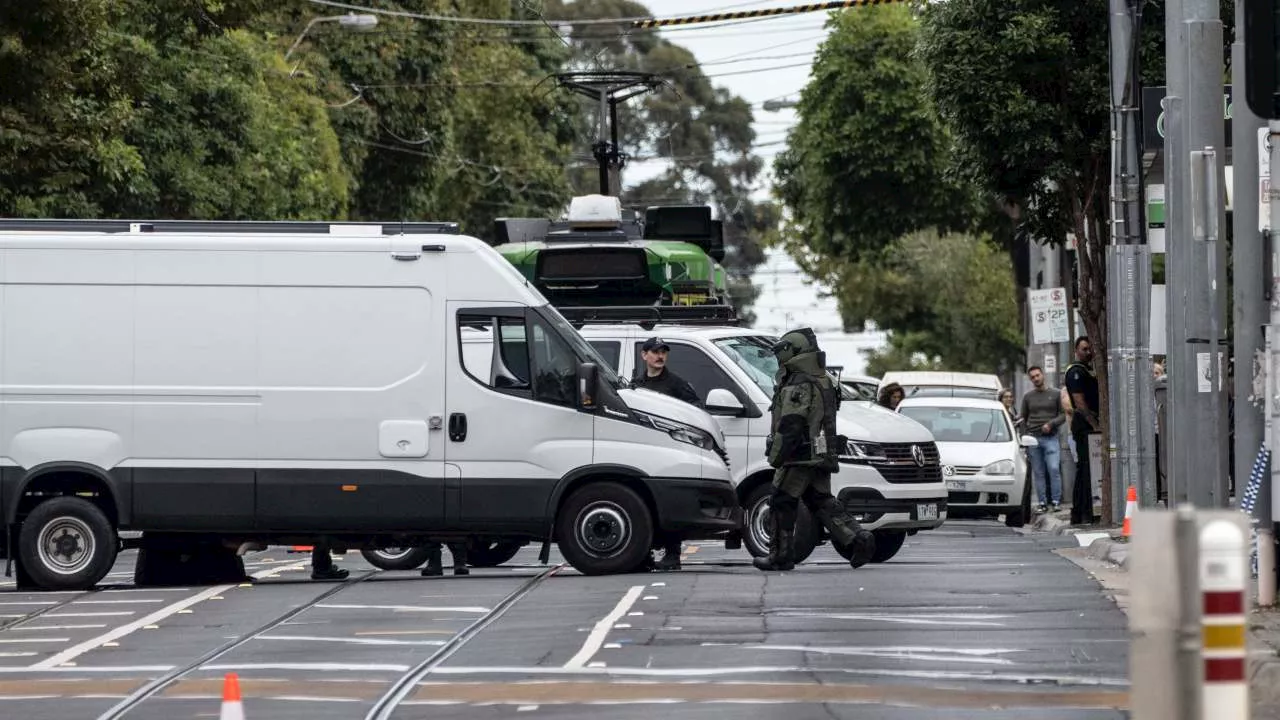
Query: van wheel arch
[(63, 479)]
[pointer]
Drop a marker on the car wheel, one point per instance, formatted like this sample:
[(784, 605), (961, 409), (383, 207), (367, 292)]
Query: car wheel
[(67, 543), (491, 553), (756, 536), (888, 543), (395, 558), (604, 528)]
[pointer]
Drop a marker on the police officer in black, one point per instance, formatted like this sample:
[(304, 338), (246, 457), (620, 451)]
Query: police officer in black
[(1082, 385), (657, 377)]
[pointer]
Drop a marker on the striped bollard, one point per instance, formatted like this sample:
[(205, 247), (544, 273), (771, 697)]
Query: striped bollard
[(1223, 585)]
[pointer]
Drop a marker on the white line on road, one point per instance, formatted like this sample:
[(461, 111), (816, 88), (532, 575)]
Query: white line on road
[(117, 602), (780, 670), (973, 620), (91, 669), (977, 656), (34, 640), (353, 641), (29, 628), (76, 651), (601, 630), (31, 602), (407, 608), (119, 613), (318, 667)]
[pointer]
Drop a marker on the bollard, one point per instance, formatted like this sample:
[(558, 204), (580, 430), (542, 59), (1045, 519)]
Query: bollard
[(1223, 585)]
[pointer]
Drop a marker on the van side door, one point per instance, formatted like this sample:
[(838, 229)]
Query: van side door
[(513, 427)]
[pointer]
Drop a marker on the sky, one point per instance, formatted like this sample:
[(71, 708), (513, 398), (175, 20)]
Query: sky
[(766, 60)]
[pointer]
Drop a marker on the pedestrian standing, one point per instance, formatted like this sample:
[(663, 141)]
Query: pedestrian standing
[(1006, 399), (656, 376), (1042, 416), (1083, 387), (891, 395), (435, 559)]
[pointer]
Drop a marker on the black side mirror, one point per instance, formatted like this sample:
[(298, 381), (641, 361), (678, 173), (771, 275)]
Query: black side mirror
[(588, 382)]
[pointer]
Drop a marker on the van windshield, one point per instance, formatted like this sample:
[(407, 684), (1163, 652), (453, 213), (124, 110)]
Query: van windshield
[(754, 354), (579, 345)]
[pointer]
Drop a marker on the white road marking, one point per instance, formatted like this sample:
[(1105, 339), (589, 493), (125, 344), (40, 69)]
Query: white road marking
[(407, 608), (92, 614), (118, 602), (16, 654), (779, 670), (31, 602), (1086, 539), (146, 590), (526, 708), (637, 613), (29, 628), (35, 640), (612, 646), (650, 597), (601, 629), (115, 634), (959, 620), (353, 641), (318, 667)]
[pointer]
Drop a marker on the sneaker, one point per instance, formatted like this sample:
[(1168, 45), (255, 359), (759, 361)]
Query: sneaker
[(1057, 507), (1041, 509)]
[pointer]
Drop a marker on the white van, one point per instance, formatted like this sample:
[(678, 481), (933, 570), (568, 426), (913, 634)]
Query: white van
[(890, 478), (283, 383)]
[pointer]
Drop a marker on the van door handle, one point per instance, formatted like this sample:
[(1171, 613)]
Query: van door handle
[(458, 427)]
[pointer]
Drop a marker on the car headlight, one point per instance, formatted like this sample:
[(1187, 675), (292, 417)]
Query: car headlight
[(857, 451), (679, 431), (1000, 467)]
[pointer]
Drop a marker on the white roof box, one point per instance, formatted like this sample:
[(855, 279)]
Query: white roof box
[(595, 211)]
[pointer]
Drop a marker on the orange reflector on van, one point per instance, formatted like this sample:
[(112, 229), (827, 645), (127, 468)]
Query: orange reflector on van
[(349, 488)]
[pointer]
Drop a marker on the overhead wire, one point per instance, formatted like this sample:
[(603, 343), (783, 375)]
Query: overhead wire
[(500, 22)]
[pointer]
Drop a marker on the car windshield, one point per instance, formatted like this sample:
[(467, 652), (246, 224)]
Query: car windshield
[(961, 424), (581, 348), (754, 354)]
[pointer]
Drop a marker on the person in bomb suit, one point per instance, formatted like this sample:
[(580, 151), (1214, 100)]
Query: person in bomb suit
[(803, 448)]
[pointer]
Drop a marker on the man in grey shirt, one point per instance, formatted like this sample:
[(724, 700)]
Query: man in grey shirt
[(1042, 416)]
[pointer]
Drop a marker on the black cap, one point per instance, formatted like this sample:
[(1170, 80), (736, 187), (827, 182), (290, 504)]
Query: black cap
[(654, 343)]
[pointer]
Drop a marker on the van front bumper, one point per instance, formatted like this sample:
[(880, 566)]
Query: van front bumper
[(695, 509), (876, 512)]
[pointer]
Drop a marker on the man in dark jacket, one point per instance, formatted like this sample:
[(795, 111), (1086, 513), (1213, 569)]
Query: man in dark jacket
[(657, 377)]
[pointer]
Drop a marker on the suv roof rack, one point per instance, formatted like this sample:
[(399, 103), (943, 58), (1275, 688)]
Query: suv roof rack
[(648, 316), (319, 227)]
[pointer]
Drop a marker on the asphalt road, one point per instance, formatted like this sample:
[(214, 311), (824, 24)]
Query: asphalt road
[(970, 621)]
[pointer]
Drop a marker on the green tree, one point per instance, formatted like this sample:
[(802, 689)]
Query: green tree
[(67, 99), (868, 160)]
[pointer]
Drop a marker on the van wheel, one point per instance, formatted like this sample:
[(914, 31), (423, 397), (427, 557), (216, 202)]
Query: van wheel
[(604, 528), (756, 536), (67, 543), (486, 553), (395, 558)]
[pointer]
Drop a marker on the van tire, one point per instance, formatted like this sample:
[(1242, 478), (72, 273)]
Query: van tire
[(405, 558), (80, 561), (807, 533), (604, 528)]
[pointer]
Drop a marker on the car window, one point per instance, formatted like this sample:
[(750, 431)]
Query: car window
[(695, 366), (553, 366), (959, 424), (610, 350), (494, 351)]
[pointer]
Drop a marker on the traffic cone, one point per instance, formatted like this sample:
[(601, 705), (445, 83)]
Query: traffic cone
[(1130, 507), (232, 708)]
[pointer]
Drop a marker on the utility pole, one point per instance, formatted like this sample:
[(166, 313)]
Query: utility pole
[(1195, 269), (1128, 280), (609, 88)]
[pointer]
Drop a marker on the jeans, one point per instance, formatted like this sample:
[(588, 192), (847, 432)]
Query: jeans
[(1046, 459)]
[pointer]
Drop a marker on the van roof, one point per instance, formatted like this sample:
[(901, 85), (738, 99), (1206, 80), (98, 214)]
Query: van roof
[(342, 239), (710, 332)]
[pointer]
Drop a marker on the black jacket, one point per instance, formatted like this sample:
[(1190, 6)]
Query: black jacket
[(667, 383)]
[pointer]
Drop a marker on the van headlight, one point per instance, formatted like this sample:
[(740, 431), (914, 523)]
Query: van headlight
[(1000, 467), (858, 451), (679, 431)]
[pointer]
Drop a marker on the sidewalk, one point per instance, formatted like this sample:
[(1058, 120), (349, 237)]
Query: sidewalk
[(1104, 554)]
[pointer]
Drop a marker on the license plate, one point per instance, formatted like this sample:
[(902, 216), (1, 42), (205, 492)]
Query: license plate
[(956, 484), (927, 512)]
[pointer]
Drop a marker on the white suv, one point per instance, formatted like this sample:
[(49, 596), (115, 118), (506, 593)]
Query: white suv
[(890, 478)]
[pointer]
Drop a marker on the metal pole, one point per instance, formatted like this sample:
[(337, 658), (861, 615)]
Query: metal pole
[(1187, 546), (1266, 532), (1248, 260), (1179, 435), (1203, 275), (602, 154), (615, 167)]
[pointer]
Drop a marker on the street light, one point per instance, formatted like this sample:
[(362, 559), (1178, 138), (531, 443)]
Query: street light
[(776, 105), (350, 20)]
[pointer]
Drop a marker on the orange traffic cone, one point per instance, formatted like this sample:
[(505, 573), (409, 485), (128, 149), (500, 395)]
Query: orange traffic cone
[(232, 708), (1130, 507)]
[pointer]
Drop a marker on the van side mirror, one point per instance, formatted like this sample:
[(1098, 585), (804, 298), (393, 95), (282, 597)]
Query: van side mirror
[(588, 382), (1029, 441), (723, 402)]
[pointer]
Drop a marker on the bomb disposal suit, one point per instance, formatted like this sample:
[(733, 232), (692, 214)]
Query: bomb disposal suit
[(803, 447)]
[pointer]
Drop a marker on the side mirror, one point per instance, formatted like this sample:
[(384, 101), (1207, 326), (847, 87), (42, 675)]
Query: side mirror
[(1028, 441), (723, 402), (588, 382)]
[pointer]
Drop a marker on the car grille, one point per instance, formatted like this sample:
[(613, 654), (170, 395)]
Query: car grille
[(967, 469), (900, 466)]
